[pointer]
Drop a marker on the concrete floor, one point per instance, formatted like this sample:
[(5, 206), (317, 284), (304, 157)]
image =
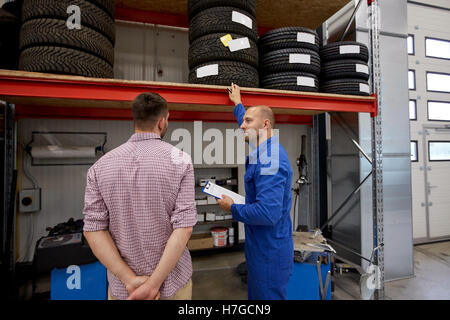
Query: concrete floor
[(215, 277)]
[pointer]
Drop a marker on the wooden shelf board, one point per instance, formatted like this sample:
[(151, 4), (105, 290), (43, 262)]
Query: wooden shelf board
[(61, 91)]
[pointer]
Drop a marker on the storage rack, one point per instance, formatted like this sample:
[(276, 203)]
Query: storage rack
[(35, 95), (199, 171)]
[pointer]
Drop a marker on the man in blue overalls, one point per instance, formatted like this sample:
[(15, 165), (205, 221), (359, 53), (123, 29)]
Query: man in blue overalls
[(269, 249)]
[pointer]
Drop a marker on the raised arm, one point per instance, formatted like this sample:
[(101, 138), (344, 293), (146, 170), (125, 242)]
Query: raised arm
[(235, 97)]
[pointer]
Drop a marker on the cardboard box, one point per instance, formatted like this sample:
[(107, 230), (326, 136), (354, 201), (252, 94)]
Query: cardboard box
[(210, 217), (200, 217), (202, 202), (200, 241)]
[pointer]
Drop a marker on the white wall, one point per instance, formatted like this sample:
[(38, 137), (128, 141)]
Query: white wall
[(435, 23), (143, 50), (63, 186), (439, 3), (139, 53)]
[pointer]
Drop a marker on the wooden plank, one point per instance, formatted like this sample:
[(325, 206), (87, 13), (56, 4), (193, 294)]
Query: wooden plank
[(270, 13), (53, 77), (49, 90)]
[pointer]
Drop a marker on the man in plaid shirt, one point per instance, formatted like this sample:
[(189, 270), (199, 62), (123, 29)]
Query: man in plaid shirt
[(140, 209)]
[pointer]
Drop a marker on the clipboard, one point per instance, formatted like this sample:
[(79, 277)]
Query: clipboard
[(217, 191)]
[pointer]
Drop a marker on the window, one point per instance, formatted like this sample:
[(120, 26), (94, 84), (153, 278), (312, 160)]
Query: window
[(412, 80), (439, 111), (438, 82), (412, 110), (437, 48), (439, 150), (414, 155), (410, 44)]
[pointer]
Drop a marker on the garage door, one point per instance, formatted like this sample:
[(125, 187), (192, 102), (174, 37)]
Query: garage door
[(437, 180)]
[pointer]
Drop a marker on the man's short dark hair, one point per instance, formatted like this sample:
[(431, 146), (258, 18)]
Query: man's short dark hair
[(148, 108)]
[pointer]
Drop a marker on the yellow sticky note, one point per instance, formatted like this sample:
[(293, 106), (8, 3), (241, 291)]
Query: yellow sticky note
[(225, 39)]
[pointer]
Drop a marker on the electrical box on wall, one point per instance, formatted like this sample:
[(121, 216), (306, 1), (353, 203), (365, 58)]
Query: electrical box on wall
[(30, 200)]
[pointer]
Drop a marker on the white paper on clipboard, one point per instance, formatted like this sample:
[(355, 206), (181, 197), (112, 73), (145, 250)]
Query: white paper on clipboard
[(217, 191)]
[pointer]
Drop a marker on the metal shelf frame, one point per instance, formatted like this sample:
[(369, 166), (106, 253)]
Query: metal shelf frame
[(36, 95)]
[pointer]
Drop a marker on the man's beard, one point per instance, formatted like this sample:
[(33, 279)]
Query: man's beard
[(163, 133)]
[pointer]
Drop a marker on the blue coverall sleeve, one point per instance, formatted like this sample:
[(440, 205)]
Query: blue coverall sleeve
[(239, 112), (268, 207)]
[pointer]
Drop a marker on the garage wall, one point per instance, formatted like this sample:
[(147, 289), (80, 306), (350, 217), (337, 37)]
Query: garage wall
[(63, 186), (355, 230), (142, 52), (152, 53), (426, 21), (398, 250)]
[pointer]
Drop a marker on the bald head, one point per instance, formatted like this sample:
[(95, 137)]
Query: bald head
[(264, 113)]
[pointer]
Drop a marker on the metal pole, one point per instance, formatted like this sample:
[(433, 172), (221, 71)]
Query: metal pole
[(348, 249), (351, 20), (344, 202), (377, 145), (348, 132)]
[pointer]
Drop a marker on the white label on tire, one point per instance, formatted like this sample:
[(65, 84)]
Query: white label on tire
[(306, 37), (348, 49), (364, 88), (242, 19), (238, 44), (299, 58), (306, 81), (362, 68), (209, 70)]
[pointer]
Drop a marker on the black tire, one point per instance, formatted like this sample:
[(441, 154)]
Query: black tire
[(195, 6), (278, 61), (92, 16), (54, 32), (338, 69), (9, 41), (211, 48), (289, 81), (108, 6), (240, 73), (345, 86), (219, 20), (61, 60), (283, 38), (7, 17), (14, 7), (332, 51)]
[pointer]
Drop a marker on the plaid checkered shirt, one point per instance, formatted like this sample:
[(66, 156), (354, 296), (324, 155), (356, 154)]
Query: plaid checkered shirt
[(140, 195)]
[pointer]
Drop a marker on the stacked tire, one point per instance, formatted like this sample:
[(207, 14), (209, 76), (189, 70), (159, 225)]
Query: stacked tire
[(345, 69), (9, 36), (222, 38), (289, 59), (49, 41)]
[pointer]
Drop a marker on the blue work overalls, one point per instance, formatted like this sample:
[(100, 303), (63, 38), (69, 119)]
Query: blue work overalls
[(269, 249)]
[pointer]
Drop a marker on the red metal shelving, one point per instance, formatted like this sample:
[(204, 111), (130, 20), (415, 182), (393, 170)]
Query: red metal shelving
[(56, 96)]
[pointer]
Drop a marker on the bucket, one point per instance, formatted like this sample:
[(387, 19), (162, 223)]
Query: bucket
[(220, 236)]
